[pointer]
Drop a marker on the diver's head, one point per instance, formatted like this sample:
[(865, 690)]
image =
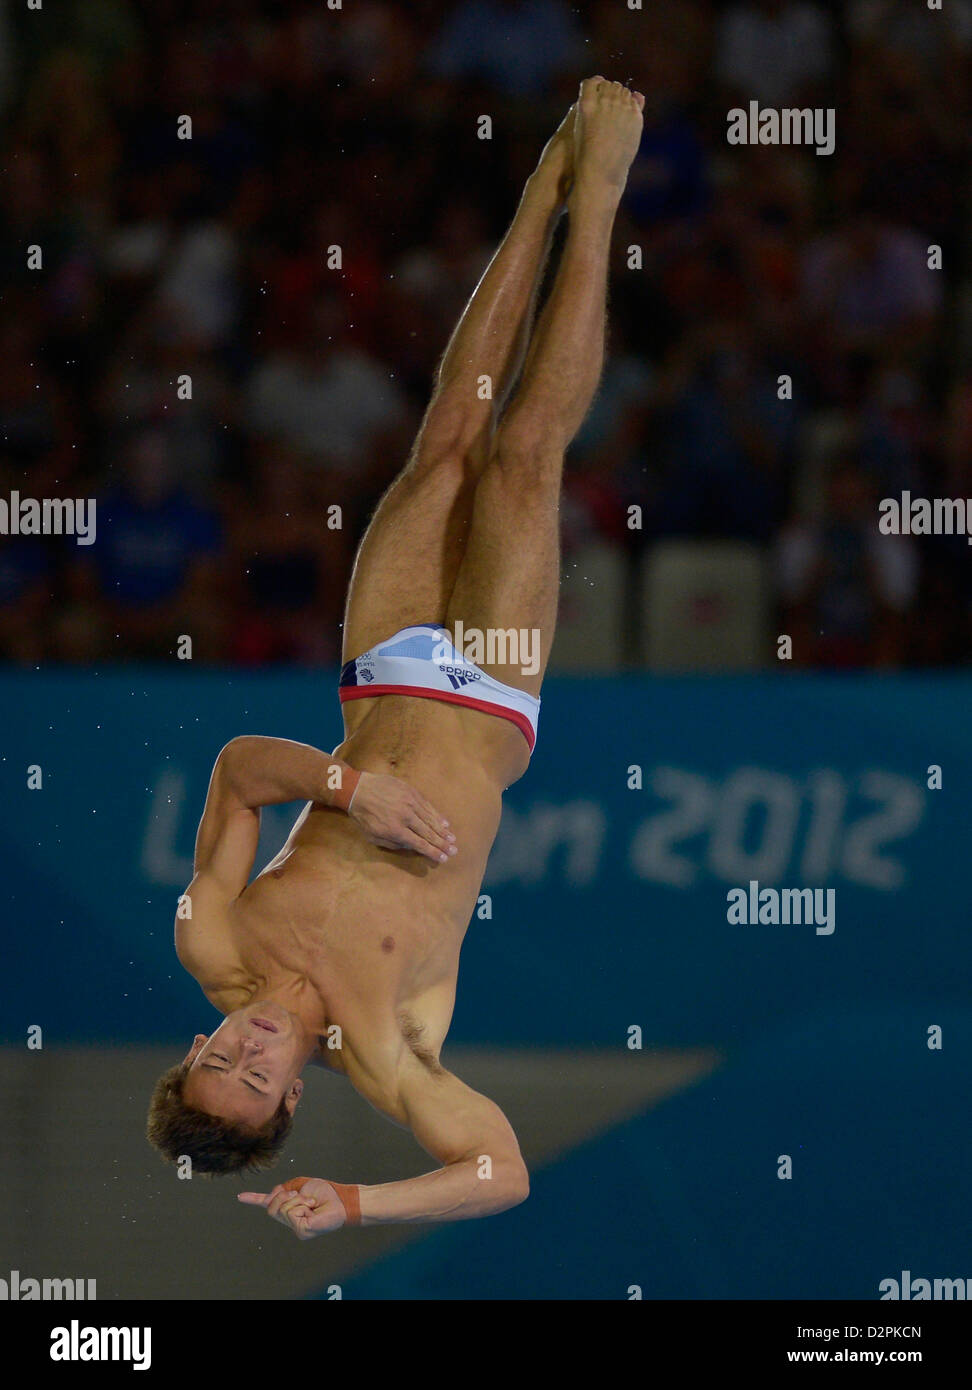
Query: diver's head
[(229, 1105)]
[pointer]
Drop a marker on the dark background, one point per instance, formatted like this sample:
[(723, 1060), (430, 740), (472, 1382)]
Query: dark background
[(358, 127)]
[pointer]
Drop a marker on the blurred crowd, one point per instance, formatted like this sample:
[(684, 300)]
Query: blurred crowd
[(356, 127)]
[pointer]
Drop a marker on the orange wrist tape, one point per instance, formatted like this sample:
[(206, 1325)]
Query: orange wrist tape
[(344, 794), (350, 1196)]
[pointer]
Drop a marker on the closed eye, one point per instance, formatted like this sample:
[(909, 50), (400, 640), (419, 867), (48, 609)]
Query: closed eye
[(220, 1071)]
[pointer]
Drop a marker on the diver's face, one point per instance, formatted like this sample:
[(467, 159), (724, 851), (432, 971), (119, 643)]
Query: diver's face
[(243, 1070)]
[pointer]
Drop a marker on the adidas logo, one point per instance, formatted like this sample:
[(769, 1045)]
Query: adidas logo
[(460, 675)]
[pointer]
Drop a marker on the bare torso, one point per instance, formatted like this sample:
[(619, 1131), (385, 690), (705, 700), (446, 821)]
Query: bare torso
[(372, 937)]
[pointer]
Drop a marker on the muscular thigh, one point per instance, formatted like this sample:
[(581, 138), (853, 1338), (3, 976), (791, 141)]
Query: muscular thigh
[(510, 574), (409, 557)]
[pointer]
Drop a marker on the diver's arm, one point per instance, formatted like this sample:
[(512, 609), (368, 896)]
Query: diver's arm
[(254, 771), (262, 771), (482, 1171)]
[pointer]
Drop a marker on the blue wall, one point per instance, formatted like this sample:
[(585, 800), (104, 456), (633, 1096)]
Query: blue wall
[(611, 901), (608, 910)]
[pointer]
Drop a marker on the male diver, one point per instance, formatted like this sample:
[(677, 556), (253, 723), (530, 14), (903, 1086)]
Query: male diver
[(353, 932)]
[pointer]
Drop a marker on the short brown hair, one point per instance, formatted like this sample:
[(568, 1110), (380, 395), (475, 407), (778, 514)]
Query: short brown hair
[(214, 1145)]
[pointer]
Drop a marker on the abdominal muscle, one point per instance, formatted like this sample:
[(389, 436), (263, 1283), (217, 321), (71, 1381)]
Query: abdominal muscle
[(387, 924)]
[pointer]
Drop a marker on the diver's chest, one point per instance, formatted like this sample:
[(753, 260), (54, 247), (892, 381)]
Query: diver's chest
[(307, 922)]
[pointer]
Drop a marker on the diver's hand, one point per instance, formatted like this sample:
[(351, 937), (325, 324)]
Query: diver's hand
[(309, 1206), (393, 815)]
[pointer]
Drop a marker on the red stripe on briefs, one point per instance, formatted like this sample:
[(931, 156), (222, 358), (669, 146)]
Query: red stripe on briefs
[(421, 692)]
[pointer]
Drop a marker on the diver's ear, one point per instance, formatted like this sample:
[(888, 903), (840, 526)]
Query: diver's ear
[(198, 1043), (293, 1096)]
